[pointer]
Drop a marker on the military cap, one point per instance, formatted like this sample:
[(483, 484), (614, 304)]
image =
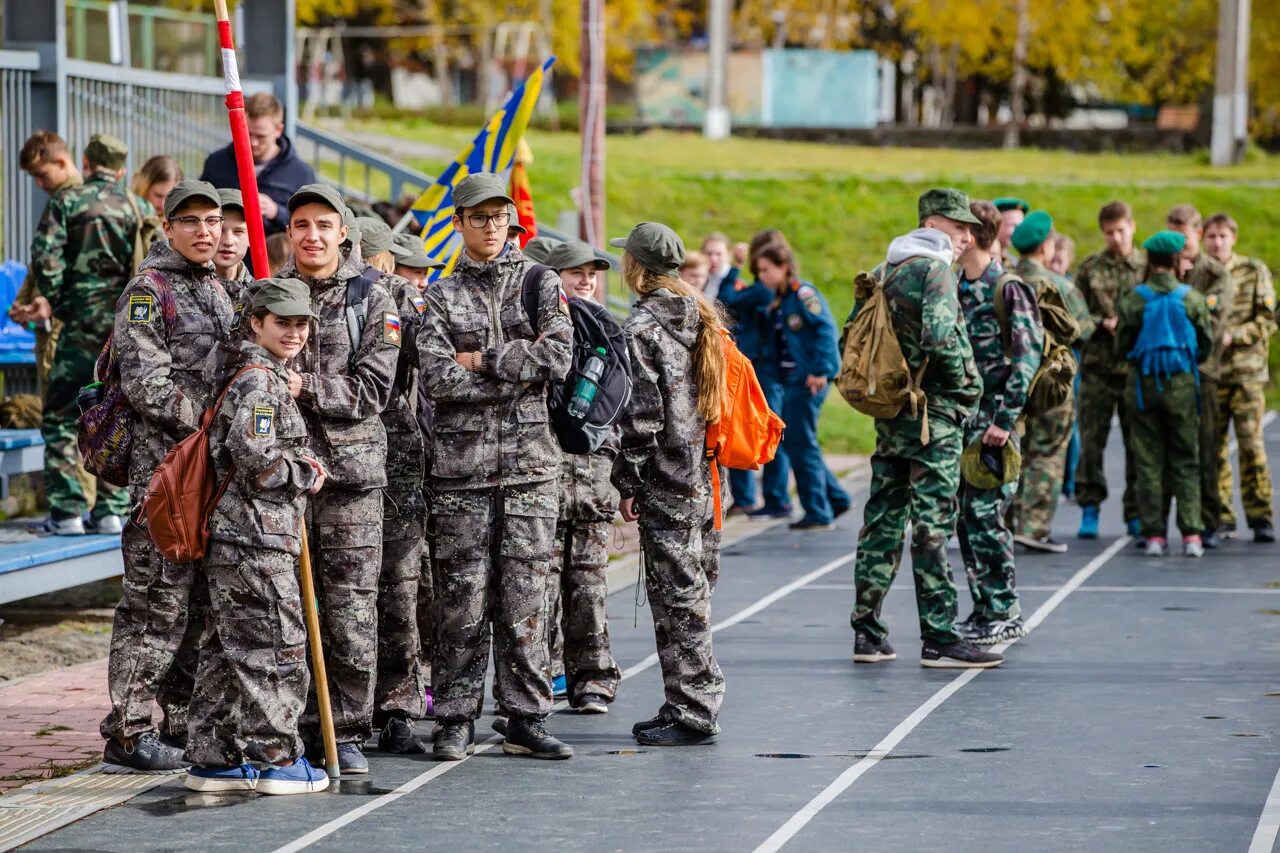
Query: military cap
[(1165, 243), (353, 233), (575, 253), (986, 467), (479, 187), (231, 198), (185, 191), (1003, 204), (415, 256), (376, 238), (539, 249), (318, 194), (106, 151), (655, 246), (1032, 231), (953, 204), (513, 220), (284, 297)]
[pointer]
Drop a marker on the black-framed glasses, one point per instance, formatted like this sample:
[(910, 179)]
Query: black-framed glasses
[(191, 224), (481, 220)]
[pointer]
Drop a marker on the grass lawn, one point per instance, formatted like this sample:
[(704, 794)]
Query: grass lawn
[(840, 205)]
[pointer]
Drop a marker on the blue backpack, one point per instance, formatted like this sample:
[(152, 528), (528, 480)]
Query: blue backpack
[(1167, 342)]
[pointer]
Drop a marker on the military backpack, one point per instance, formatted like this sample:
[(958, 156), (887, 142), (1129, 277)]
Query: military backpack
[(1051, 386)]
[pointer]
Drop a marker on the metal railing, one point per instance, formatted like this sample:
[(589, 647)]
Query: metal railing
[(356, 171), (16, 69)]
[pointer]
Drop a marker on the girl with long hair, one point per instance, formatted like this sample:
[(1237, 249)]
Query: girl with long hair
[(156, 177)]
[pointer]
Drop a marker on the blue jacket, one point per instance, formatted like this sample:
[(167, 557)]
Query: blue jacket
[(748, 305), (810, 332), (278, 179)]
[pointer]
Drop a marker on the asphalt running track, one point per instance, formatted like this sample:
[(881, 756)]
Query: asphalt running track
[(1140, 714)]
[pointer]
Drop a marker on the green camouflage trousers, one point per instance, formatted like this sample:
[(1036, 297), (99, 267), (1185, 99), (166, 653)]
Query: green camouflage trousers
[(916, 484), (1165, 443), (1210, 502), (1101, 396), (1044, 458), (986, 543), (1244, 405)]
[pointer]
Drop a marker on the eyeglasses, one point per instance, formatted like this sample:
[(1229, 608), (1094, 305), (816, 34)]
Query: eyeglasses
[(191, 224), (480, 220)]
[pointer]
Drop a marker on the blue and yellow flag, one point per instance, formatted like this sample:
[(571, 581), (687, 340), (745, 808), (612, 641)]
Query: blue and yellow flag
[(493, 150)]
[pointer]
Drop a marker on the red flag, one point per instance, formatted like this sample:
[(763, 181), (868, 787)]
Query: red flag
[(522, 193)]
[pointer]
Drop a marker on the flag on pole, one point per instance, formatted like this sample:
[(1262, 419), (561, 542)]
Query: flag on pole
[(522, 193), (493, 150)]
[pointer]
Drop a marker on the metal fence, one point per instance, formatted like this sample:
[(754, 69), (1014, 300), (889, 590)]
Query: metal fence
[(16, 68)]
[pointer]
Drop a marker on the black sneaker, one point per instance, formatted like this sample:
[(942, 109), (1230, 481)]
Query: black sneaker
[(674, 734), (645, 725), (592, 703), (768, 513), (1047, 544), (810, 526), (1209, 538), (959, 655), (397, 738), (148, 756), (456, 740), (996, 631), (529, 737), (836, 512), (867, 650), (499, 725), (1264, 533)]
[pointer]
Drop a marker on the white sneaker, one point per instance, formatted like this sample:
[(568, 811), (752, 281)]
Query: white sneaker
[(1193, 547), (109, 525), (1155, 547), (73, 526)]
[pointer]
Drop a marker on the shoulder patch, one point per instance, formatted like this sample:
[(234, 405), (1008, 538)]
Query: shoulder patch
[(813, 305), (806, 291), (1211, 300), (140, 309), (264, 419), (419, 304), (237, 314), (391, 328), (795, 322)]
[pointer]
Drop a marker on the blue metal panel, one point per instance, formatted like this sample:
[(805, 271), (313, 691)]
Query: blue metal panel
[(820, 88)]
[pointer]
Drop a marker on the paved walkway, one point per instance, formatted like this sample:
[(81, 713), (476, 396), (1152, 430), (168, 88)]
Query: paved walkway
[(49, 723)]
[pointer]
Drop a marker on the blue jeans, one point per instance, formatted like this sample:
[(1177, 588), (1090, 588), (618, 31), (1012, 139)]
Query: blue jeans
[(820, 494), (776, 475), (1073, 448)]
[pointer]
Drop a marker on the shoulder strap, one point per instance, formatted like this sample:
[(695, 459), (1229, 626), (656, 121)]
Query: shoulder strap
[(529, 292), (1002, 310), (1181, 292), (357, 308), (217, 406), (168, 305), (898, 267)]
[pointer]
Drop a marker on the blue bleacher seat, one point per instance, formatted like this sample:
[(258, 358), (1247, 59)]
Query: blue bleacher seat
[(54, 563)]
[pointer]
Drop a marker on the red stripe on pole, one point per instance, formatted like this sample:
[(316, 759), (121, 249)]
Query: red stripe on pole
[(224, 35), (248, 176)]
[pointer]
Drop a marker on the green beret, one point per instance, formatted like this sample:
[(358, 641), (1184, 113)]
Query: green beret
[(978, 472), (1032, 232), (1003, 204), (952, 204), (106, 151), (1165, 243)]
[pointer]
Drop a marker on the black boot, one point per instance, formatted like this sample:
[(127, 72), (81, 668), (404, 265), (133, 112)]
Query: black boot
[(675, 734), (528, 736), (456, 740), (645, 725)]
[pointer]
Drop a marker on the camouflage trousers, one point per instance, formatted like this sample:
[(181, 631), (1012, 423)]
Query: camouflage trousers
[(251, 686), (681, 567), (918, 485), (1165, 443), (1102, 395), (426, 603), (1044, 457), (72, 369), (398, 692), (1210, 502), (1244, 405), (986, 543), (345, 528), (491, 555), (577, 624), (154, 640)]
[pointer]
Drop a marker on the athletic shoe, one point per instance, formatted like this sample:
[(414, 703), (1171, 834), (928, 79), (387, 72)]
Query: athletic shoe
[(592, 703), (148, 756), (1047, 544), (560, 687), (1088, 523), (837, 511), (455, 741), (675, 734), (1134, 527), (958, 655), (213, 780), (767, 513), (526, 736), (1192, 547), (867, 650), (108, 525), (736, 510), (1156, 547), (351, 761), (73, 526), (997, 631), (397, 738), (296, 778), (1211, 540), (645, 725), (1227, 531), (499, 725), (808, 526), (1264, 533)]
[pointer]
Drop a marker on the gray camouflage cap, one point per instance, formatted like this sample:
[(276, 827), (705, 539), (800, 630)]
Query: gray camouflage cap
[(318, 194), (376, 237), (284, 297), (478, 188), (415, 256), (185, 191), (539, 249), (575, 253), (655, 246)]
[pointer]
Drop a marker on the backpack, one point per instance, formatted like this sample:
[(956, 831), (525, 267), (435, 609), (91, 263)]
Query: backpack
[(593, 328), (357, 308), (1055, 377), (105, 430), (183, 491), (149, 229), (1166, 344), (874, 375)]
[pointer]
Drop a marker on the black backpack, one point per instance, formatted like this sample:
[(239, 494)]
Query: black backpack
[(593, 327)]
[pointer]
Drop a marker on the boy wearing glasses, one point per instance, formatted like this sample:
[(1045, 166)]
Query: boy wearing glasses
[(169, 319)]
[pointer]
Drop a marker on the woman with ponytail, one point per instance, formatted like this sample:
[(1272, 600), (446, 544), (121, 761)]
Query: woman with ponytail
[(664, 477)]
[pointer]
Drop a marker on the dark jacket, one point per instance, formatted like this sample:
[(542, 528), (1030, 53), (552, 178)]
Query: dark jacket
[(279, 178), (748, 305), (810, 332)]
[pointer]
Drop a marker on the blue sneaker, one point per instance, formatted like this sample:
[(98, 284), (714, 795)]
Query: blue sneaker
[(1135, 527), (214, 779), (560, 687), (1088, 522), (296, 778)]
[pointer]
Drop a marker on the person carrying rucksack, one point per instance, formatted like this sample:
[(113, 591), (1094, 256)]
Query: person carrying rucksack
[(1163, 326)]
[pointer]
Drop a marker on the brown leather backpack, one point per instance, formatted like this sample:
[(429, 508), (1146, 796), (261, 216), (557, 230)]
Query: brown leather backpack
[(184, 491)]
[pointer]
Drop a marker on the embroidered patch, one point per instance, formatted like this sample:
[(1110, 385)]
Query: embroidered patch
[(264, 418), (813, 306), (806, 292), (795, 322), (140, 309), (237, 314), (390, 328), (1212, 301), (419, 304), (564, 303)]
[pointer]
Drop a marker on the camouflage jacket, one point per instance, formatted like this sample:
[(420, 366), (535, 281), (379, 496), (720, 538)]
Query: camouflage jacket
[(1006, 376), (1212, 281), (405, 455), (1038, 278), (586, 493), (663, 462), (340, 404), (1252, 321), (82, 254), (492, 427), (164, 337), (1104, 280), (237, 288), (1132, 307), (259, 439)]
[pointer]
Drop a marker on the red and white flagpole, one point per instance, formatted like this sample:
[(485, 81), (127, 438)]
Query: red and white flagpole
[(240, 141)]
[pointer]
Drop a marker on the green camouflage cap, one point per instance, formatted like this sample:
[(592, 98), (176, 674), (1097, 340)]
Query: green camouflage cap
[(575, 253), (231, 198), (415, 256), (655, 246), (185, 191), (977, 472), (479, 187), (318, 194), (539, 249), (106, 151), (1165, 243), (376, 237), (1010, 203), (513, 220), (1032, 232), (953, 204), (284, 297)]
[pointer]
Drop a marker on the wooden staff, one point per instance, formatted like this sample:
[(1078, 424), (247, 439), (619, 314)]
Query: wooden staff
[(311, 610)]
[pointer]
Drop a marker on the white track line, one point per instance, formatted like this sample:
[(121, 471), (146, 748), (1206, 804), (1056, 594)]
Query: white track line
[(1196, 590), (1264, 837), (811, 809)]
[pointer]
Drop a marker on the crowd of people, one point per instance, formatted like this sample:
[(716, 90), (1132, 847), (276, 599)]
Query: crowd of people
[(400, 432)]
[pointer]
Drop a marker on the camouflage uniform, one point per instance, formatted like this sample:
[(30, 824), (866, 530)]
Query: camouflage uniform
[(81, 257), (164, 336), (913, 482), (985, 538), (1104, 280), (495, 493), (340, 404), (46, 342), (1164, 429), (251, 686), (1240, 392), (1047, 435), (237, 288), (663, 465)]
